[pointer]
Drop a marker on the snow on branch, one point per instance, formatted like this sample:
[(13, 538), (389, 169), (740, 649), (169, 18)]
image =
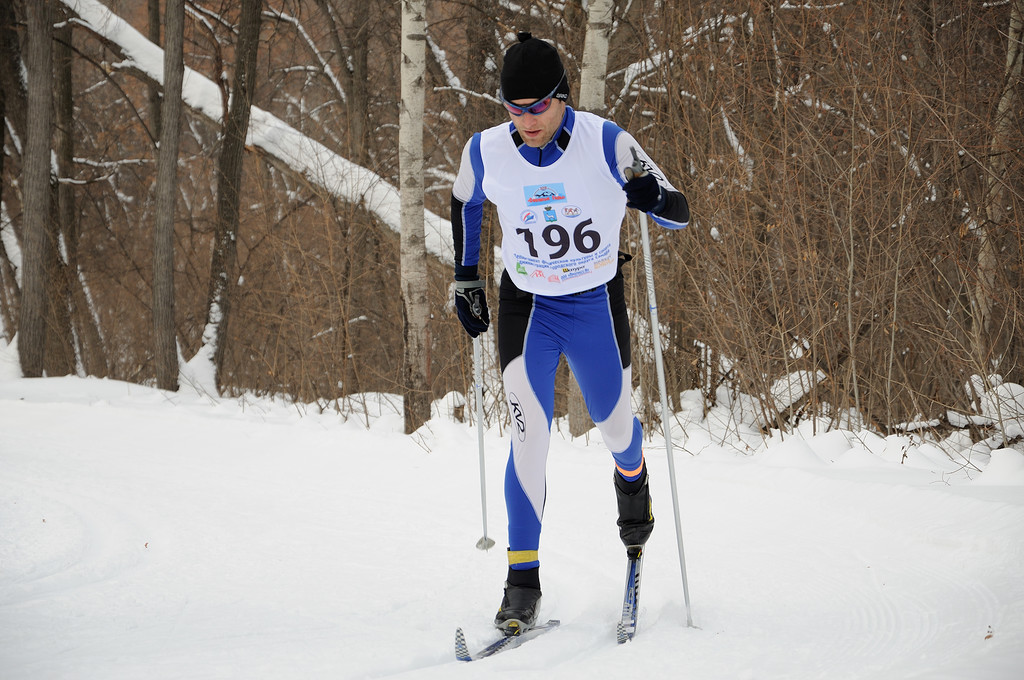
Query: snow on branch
[(633, 74), (734, 141), (788, 5), (449, 75), (325, 168), (307, 40)]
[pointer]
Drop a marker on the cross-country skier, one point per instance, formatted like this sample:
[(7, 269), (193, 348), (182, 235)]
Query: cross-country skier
[(559, 180)]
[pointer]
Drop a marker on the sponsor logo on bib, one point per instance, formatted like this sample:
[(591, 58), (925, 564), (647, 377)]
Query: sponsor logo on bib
[(540, 194)]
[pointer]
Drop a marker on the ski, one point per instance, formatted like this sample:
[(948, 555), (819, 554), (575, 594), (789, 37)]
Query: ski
[(626, 628), (507, 642)]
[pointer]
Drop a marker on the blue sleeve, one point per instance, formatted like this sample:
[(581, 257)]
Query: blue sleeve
[(609, 133), (467, 215)]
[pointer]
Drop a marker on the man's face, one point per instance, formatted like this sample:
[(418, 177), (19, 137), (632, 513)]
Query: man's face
[(538, 129)]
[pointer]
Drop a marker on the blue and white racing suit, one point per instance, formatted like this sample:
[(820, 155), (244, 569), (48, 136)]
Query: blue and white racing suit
[(560, 208)]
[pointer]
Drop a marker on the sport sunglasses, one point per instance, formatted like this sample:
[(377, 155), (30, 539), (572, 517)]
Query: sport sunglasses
[(536, 108)]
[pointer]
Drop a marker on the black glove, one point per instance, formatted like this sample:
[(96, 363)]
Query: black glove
[(471, 306), (644, 194)]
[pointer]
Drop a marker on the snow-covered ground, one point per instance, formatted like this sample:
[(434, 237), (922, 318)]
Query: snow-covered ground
[(146, 534)]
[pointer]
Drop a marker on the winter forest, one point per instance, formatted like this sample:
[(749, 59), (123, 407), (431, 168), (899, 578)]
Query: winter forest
[(854, 169)]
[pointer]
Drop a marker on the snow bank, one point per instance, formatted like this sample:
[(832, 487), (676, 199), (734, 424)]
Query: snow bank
[(170, 535)]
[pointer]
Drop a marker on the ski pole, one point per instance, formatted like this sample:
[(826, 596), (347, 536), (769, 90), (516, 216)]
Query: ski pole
[(637, 170), (485, 543)]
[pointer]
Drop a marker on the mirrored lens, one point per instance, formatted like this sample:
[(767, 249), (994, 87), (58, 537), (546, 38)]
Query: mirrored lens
[(535, 108)]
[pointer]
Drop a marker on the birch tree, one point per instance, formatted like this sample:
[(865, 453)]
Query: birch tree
[(165, 347), (413, 248), (595, 55)]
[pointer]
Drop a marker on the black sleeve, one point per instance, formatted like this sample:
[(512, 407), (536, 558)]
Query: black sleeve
[(676, 209)]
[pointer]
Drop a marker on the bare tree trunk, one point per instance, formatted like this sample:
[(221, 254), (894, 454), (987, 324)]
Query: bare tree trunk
[(63, 148), (11, 83), (59, 355), (36, 187), (153, 33), (229, 180), (8, 294), (595, 56), (165, 347), (12, 112), (8, 283), (83, 334), (1007, 111), (350, 30), (413, 247), (358, 102)]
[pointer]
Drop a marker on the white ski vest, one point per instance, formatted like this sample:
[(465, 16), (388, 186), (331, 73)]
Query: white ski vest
[(560, 224)]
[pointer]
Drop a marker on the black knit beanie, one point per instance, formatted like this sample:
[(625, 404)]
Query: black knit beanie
[(532, 70)]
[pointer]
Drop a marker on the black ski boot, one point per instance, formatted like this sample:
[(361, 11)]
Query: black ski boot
[(636, 518), (521, 603)]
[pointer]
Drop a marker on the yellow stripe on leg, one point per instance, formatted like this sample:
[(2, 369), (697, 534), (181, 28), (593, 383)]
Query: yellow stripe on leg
[(522, 556)]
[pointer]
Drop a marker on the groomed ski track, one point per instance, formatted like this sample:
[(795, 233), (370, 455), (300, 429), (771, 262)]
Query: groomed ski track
[(153, 535)]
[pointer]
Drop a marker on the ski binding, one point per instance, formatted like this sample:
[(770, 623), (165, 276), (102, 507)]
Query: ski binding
[(510, 641)]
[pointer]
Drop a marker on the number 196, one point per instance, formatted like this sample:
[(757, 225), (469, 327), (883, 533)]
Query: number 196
[(555, 235)]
